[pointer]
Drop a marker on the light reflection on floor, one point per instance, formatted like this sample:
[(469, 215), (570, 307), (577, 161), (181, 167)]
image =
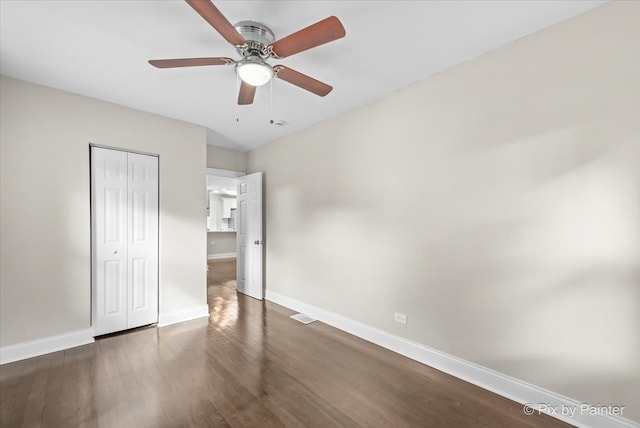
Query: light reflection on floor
[(221, 293)]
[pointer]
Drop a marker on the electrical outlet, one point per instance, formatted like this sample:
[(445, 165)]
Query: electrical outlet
[(401, 318)]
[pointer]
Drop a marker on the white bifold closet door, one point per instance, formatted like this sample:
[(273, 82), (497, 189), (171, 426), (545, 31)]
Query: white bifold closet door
[(124, 219)]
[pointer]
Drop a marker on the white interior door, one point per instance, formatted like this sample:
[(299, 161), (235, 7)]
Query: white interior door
[(124, 215), (249, 234)]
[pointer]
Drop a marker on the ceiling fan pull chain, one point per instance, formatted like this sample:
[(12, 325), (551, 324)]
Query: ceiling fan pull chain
[(237, 106), (271, 99)]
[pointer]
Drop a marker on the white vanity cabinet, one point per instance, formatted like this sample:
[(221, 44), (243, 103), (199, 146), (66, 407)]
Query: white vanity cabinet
[(222, 213), (228, 204)]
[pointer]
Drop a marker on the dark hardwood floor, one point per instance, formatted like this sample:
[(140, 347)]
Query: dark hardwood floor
[(247, 365)]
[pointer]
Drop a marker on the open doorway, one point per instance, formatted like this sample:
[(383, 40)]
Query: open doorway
[(221, 239), (234, 221)]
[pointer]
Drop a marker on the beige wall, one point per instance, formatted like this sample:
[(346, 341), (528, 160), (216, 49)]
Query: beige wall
[(45, 216), (496, 204), (222, 158), (221, 243)]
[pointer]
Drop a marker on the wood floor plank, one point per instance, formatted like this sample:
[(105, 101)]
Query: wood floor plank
[(34, 408), (114, 394), (85, 364), (57, 411), (159, 404), (14, 389)]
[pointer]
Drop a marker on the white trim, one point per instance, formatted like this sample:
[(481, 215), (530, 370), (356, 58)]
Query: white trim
[(46, 345), (222, 256), (120, 149), (483, 377), (225, 173), (184, 315)]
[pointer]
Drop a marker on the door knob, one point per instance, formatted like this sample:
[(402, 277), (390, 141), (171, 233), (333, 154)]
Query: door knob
[(256, 242), (115, 251)]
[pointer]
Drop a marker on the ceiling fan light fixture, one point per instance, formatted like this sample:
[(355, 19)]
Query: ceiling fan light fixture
[(254, 71)]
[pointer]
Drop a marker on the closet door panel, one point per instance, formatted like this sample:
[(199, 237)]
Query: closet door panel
[(143, 240), (109, 235)]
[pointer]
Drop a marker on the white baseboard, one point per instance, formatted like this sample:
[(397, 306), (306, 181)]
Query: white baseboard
[(222, 256), (483, 377), (184, 315), (34, 348)]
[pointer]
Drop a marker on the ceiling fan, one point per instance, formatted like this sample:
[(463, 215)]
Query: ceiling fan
[(255, 42)]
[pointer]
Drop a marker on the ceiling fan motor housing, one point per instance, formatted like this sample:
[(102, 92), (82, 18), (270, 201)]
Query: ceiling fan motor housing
[(258, 37)]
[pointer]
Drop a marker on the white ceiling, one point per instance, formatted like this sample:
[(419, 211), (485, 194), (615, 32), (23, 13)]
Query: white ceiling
[(100, 49)]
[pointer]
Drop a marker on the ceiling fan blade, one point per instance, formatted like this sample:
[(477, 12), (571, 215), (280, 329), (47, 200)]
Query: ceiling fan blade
[(213, 16), (302, 80), (247, 92), (321, 32), (189, 62)]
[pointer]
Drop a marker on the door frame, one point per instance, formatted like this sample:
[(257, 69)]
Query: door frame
[(227, 173), (92, 302)]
